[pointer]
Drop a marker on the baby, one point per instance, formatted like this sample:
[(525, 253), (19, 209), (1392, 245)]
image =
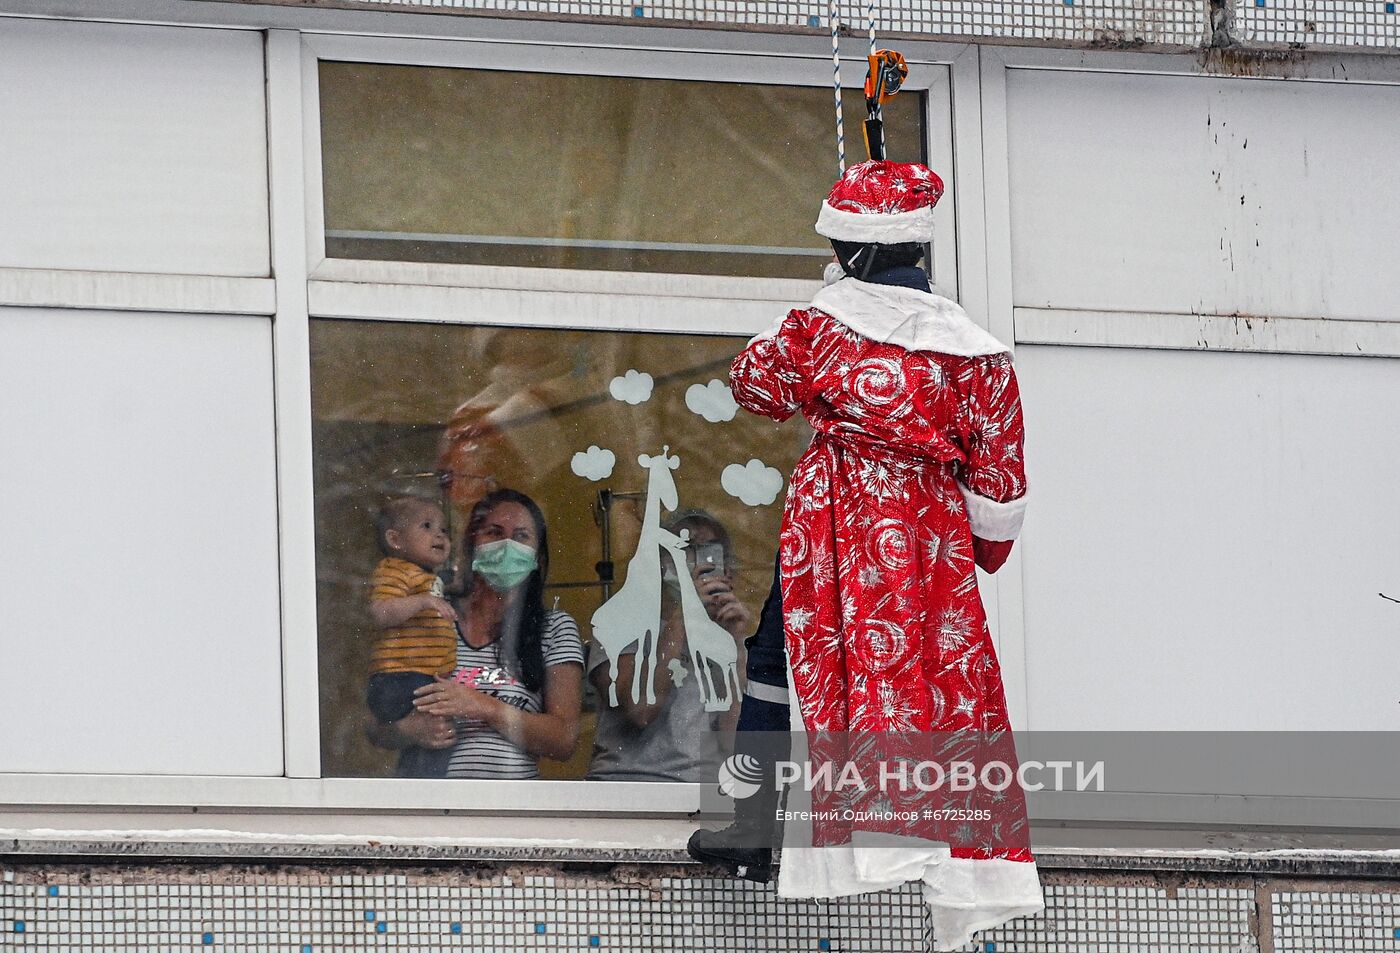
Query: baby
[(418, 640)]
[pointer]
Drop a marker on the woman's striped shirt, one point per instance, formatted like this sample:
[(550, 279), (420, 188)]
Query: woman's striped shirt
[(481, 751)]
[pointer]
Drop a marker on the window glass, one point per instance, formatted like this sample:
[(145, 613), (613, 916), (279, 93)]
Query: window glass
[(626, 441), (501, 168)]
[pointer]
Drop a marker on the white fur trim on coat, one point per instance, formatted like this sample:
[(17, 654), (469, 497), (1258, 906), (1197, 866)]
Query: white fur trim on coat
[(887, 228), (916, 320), (993, 521), (963, 895)]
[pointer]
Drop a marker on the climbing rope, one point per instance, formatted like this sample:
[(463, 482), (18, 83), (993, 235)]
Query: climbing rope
[(875, 112), (835, 17)]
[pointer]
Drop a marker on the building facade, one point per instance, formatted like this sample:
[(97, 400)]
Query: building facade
[(265, 264)]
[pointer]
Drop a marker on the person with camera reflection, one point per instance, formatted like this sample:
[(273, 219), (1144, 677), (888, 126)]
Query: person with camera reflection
[(674, 739)]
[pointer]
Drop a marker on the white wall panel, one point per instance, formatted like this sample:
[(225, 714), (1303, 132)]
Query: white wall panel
[(132, 148), (1206, 540), (1142, 192), (138, 564)]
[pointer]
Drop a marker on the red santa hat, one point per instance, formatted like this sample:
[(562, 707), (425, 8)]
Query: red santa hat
[(884, 202)]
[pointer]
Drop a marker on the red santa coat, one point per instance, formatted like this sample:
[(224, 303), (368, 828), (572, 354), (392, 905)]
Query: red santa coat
[(914, 477)]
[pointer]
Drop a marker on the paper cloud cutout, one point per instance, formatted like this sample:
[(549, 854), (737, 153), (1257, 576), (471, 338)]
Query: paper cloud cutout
[(754, 483), (634, 387), (713, 401), (594, 463)]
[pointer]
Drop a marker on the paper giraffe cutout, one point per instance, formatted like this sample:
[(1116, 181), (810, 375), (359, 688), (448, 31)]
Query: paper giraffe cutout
[(633, 614), (707, 640)]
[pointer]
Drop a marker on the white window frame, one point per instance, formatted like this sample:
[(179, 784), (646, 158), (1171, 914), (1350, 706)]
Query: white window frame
[(605, 56), (308, 285), (595, 300), (1172, 331)]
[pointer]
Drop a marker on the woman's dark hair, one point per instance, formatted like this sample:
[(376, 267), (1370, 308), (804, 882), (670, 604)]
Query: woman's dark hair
[(885, 256), (522, 640)]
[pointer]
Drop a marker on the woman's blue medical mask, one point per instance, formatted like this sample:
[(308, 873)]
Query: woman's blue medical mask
[(504, 563)]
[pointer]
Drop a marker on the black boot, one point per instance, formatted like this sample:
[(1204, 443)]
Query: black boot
[(744, 848)]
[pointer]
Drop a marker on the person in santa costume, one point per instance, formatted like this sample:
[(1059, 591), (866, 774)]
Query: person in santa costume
[(914, 478)]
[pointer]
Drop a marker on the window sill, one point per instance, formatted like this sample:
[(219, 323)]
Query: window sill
[(265, 839), (569, 280), (388, 795)]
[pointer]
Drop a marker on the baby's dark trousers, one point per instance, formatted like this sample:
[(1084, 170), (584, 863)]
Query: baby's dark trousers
[(390, 697)]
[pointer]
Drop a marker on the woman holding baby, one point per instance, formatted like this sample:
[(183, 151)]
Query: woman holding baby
[(517, 691)]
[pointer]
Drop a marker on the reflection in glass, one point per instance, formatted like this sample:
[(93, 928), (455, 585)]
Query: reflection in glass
[(560, 171), (583, 422), (683, 731)]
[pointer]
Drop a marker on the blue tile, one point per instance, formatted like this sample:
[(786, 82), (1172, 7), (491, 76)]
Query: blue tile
[(1258, 3), (53, 891), (1396, 933), (595, 941), (991, 948), (814, 20), (539, 927), (1390, 8), (207, 939), (455, 927), (369, 915), (1069, 3), (638, 12), (381, 927), (306, 948), (19, 926), (823, 944)]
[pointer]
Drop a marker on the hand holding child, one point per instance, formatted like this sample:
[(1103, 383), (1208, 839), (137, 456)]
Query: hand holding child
[(426, 731), (452, 699)]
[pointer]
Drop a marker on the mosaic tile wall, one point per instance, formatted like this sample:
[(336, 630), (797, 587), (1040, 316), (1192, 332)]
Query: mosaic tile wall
[(1166, 22), (1373, 24), (1304, 922), (1369, 24), (306, 910)]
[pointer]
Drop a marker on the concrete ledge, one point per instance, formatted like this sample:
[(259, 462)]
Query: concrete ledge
[(1383, 864)]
